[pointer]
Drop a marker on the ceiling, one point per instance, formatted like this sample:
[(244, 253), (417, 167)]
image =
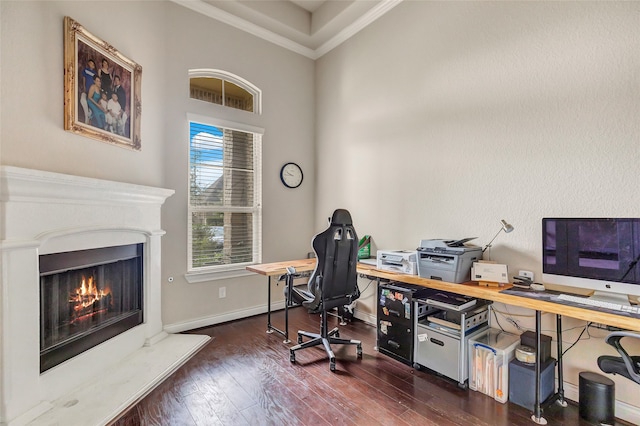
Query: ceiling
[(309, 5), (308, 27)]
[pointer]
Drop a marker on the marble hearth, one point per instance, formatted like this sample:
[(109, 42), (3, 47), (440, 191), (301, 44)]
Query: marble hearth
[(45, 213)]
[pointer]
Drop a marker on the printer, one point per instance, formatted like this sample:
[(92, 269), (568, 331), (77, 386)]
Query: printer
[(402, 261), (447, 260)]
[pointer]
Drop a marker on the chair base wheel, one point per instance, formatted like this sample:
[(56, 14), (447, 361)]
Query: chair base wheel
[(292, 356), (332, 366), (359, 351)]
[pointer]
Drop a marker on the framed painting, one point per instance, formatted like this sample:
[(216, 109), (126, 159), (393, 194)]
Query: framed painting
[(101, 89)]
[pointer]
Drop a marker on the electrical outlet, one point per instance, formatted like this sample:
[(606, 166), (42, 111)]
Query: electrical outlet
[(527, 274), (222, 292)]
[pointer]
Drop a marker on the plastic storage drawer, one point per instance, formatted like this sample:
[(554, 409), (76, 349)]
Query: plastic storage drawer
[(489, 356)]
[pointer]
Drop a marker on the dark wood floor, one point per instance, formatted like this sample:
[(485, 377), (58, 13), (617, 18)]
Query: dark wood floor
[(244, 377)]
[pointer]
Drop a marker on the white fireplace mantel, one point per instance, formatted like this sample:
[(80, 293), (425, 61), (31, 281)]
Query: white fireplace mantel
[(44, 212)]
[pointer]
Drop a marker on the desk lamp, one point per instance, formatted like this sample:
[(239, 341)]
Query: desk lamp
[(506, 227)]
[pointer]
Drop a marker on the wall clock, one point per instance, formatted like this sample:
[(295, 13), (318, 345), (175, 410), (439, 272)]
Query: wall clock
[(291, 175)]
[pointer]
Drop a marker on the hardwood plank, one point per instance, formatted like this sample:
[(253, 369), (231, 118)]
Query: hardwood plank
[(162, 407), (244, 377)]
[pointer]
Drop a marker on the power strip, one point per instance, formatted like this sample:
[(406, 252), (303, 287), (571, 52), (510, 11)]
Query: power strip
[(605, 327)]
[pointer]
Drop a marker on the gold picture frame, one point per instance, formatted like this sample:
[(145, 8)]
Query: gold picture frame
[(91, 69)]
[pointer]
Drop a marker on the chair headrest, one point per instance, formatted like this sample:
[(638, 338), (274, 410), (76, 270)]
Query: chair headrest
[(341, 217)]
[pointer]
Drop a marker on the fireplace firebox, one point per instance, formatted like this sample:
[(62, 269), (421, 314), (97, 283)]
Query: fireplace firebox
[(86, 298)]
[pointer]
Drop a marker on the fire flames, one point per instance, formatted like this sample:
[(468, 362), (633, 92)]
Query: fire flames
[(89, 299)]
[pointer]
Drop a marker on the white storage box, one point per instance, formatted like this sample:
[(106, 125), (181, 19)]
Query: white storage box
[(489, 356)]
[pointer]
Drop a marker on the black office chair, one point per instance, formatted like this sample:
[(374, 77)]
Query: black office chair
[(624, 365), (333, 283)]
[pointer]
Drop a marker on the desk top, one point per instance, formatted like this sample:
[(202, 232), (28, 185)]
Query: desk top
[(470, 289), (279, 268)]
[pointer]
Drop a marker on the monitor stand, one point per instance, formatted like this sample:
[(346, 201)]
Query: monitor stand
[(604, 296)]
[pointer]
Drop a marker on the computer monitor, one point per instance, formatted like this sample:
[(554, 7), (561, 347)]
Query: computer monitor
[(593, 253)]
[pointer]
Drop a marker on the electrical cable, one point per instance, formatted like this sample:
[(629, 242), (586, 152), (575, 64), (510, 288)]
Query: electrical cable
[(366, 288), (497, 321), (507, 313), (517, 325), (578, 339)]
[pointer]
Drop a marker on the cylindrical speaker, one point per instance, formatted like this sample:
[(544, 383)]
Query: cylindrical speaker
[(597, 396)]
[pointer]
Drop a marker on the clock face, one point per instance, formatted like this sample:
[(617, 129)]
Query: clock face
[(291, 175)]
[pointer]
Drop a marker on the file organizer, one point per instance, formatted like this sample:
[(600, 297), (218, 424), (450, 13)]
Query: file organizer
[(489, 356)]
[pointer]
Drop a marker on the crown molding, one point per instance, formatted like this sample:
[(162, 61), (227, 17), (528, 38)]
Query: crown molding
[(244, 25), (359, 24), (218, 14)]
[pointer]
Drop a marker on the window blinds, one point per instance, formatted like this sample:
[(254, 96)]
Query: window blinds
[(221, 196)]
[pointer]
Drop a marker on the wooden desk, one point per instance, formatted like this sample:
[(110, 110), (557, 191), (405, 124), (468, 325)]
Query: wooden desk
[(280, 268), (474, 290), (277, 269), (493, 293), (469, 289)]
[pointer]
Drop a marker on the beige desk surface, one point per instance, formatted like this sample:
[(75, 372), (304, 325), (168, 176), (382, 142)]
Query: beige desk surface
[(470, 289)]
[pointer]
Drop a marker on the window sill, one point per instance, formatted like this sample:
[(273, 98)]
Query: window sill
[(203, 276)]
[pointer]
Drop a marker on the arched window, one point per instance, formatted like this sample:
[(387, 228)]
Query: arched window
[(225, 191), (223, 88)]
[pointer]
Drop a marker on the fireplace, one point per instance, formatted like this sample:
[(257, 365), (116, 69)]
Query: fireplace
[(70, 238), (86, 298)]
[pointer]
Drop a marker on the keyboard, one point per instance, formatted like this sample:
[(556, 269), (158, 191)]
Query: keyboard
[(632, 309)]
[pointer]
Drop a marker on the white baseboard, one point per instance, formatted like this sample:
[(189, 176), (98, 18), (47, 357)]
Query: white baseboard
[(366, 317), (244, 313), (219, 319)]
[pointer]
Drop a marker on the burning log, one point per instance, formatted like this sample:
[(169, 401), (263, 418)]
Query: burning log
[(88, 300)]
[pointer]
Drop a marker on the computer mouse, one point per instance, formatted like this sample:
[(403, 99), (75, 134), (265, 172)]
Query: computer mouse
[(537, 287)]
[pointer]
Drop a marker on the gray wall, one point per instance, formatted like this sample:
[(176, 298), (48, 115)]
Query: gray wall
[(32, 134), (436, 121), (442, 118), (286, 80), (166, 40)]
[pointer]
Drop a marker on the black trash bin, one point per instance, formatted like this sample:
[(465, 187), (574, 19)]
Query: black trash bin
[(597, 396)]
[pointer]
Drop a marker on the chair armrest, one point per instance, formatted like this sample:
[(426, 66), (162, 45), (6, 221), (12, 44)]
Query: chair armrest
[(622, 334), (614, 339), (316, 290)]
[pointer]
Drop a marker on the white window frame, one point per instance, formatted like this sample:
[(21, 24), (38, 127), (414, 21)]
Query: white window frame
[(231, 78), (196, 275)]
